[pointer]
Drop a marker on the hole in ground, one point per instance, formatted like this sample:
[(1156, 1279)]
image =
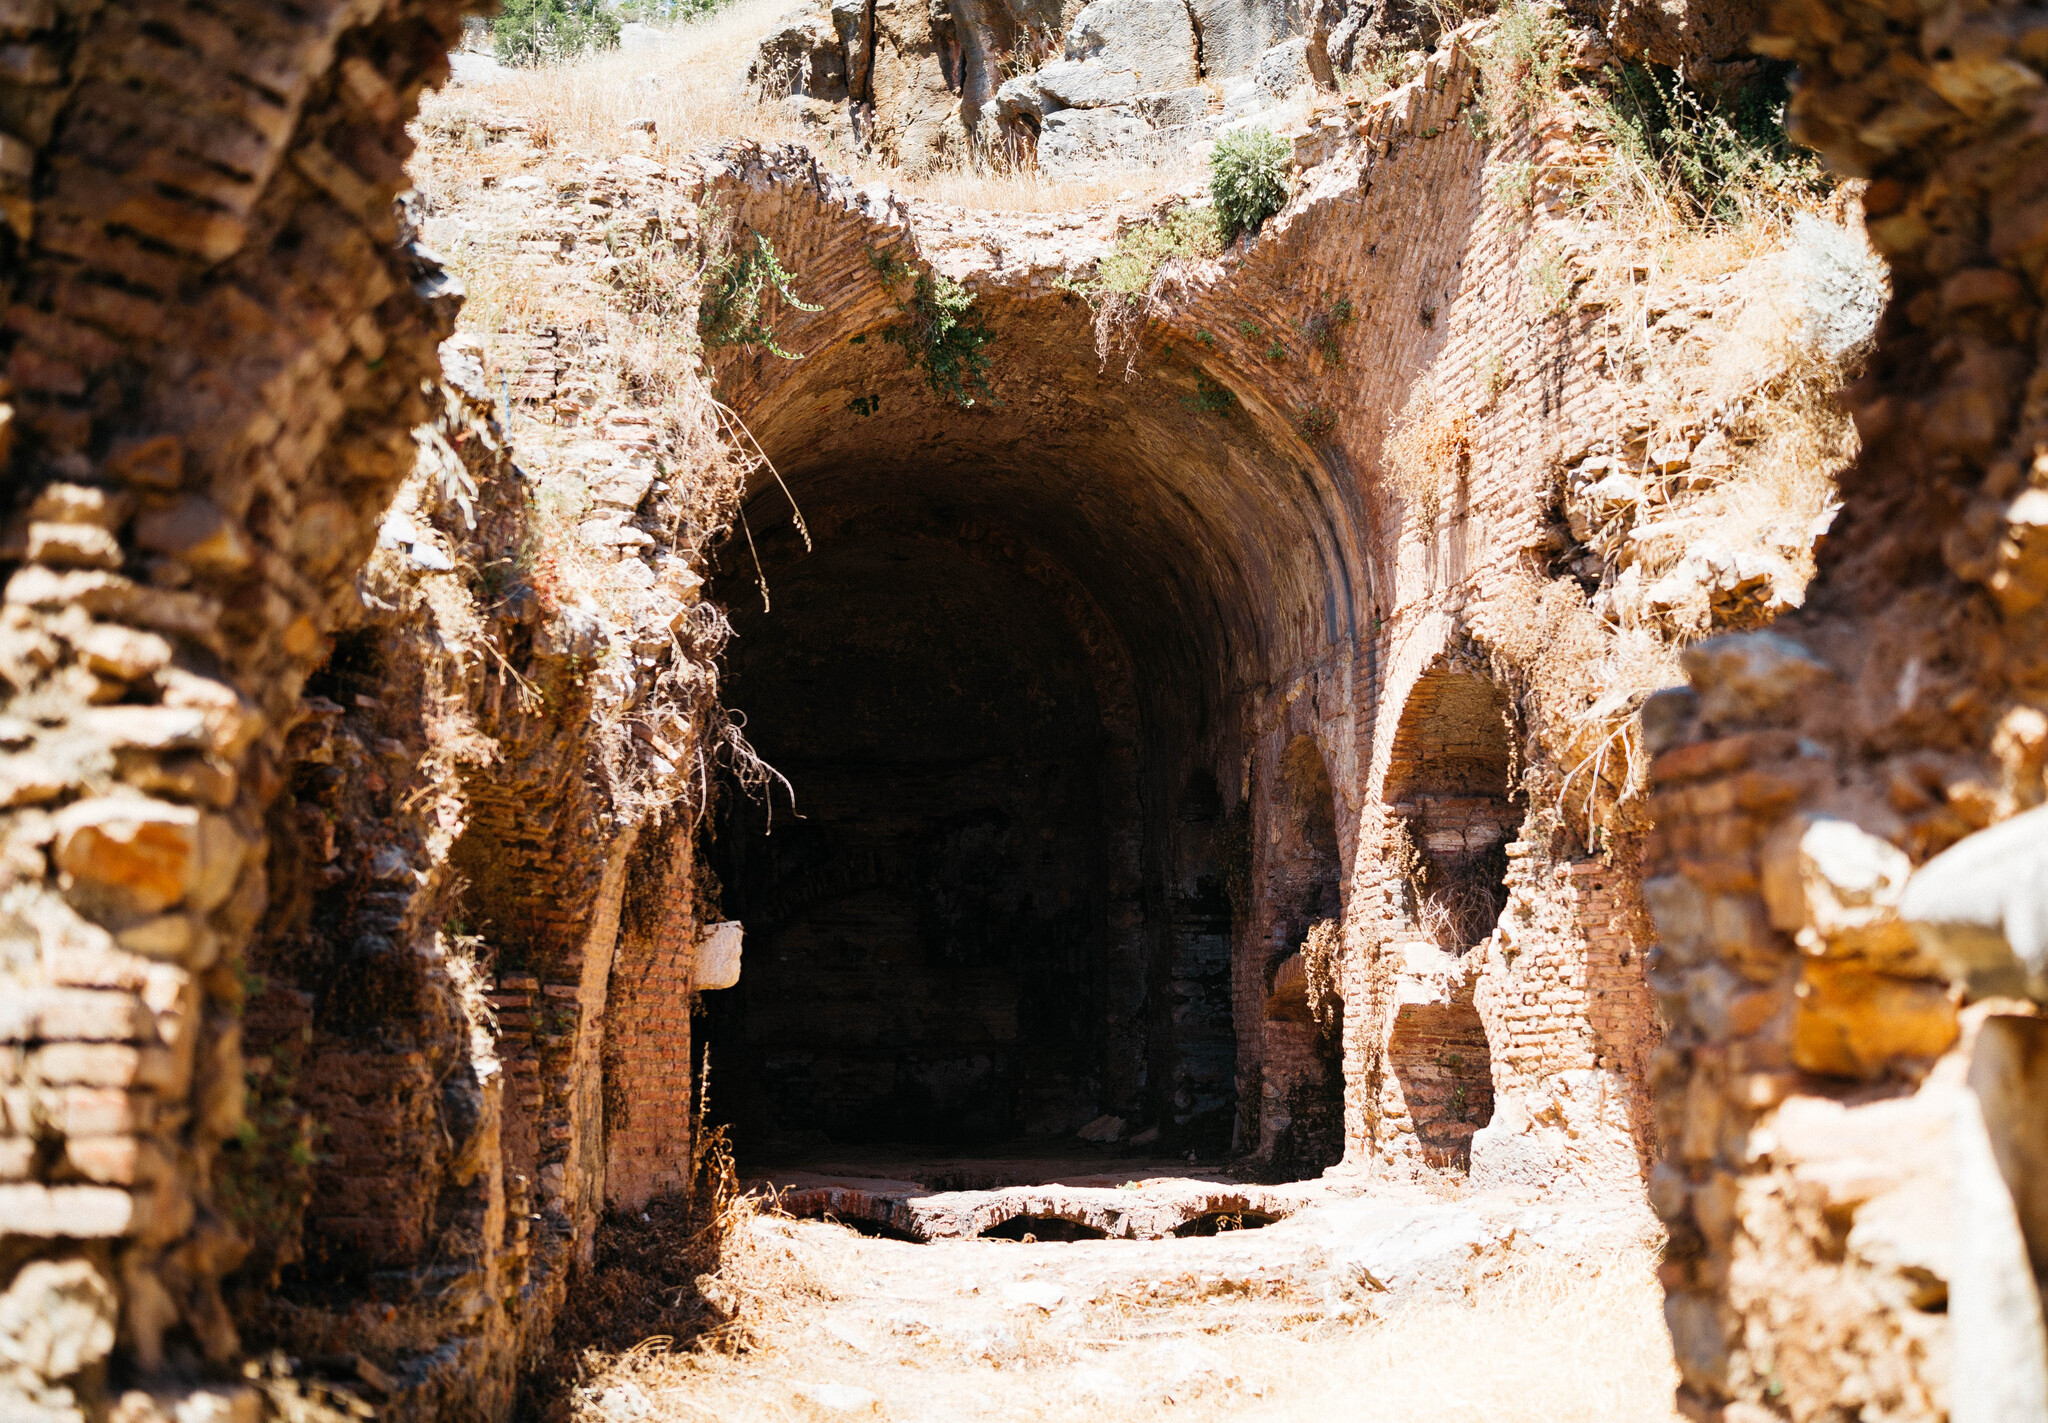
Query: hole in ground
[(1042, 1228), (874, 1229), (1218, 1222)]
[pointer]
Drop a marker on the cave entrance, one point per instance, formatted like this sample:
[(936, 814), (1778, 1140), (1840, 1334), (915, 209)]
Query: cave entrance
[(930, 950), (1014, 670), (1451, 779)]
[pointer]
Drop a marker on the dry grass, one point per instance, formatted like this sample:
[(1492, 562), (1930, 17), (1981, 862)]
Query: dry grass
[(693, 86), (1428, 449), (1560, 1343)]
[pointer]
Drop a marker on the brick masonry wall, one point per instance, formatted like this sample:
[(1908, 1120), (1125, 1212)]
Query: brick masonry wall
[(1836, 1245), (1336, 617), (213, 353)]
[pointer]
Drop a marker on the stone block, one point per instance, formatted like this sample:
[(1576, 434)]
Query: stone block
[(57, 1318), (128, 855), (73, 545), (73, 1014), (195, 531), (1836, 886), (1848, 1021), (122, 652), (82, 1212)]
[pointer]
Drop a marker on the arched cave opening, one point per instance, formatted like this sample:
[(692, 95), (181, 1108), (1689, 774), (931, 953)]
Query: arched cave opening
[(1451, 779), (1014, 664)]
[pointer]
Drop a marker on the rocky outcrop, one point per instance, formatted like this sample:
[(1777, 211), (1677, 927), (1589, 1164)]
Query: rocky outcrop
[(1128, 85)]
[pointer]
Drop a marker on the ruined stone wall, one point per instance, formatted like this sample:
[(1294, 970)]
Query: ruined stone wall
[(318, 814), (214, 355), (1839, 1101), (1324, 596)]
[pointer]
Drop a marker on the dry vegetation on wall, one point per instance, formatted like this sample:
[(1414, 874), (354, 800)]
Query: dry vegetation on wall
[(1727, 291)]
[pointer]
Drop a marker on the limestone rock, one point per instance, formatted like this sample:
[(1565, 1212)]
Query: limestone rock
[(1066, 84), (717, 964), (57, 1318), (1104, 1128), (1075, 141), (1153, 37), (1235, 33), (1751, 674), (802, 55), (1981, 906), (1284, 68)]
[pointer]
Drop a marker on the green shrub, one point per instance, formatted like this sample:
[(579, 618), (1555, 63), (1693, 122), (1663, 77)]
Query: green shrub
[(1248, 179), (532, 32), (1211, 397), (1523, 65), (736, 287), (942, 334), (1710, 157), (1140, 251)]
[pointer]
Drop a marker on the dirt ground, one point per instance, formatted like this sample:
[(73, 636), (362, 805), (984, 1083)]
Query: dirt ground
[(1365, 1303)]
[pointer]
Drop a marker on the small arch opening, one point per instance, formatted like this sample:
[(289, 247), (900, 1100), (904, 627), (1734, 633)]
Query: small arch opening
[(1452, 780)]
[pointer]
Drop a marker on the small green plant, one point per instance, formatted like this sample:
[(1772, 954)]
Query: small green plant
[(1316, 423), (1210, 397), (533, 32), (941, 334), (865, 405), (1275, 352), (1549, 282), (1324, 330), (1188, 233), (1248, 179), (1705, 158), (1492, 371), (1514, 187), (1523, 66), (1250, 330), (1206, 339), (737, 281), (1372, 74)]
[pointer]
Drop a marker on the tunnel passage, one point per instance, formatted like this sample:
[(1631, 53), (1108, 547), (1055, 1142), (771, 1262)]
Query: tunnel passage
[(928, 935), (1450, 777), (1013, 676)]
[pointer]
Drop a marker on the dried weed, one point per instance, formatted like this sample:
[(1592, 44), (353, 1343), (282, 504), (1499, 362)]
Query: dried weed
[(1428, 449)]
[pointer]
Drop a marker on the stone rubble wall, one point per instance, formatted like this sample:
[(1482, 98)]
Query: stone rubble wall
[(265, 742), (214, 356), (1843, 1117)]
